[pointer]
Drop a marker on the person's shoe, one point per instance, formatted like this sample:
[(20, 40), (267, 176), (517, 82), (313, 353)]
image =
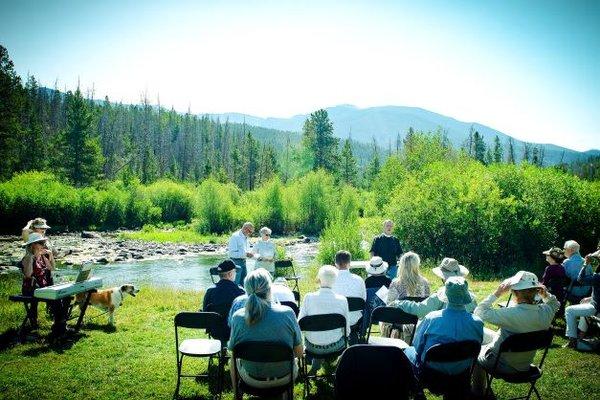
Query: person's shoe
[(572, 343)]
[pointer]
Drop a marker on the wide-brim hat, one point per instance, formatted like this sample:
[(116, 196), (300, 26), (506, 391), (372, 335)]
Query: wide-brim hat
[(226, 266), (450, 267), (456, 291), (555, 252), (523, 280), (376, 266), (40, 225), (34, 237)]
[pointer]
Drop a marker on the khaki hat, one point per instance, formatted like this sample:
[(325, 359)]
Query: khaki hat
[(39, 223), (450, 267), (523, 280), (34, 237), (456, 291), (377, 266), (555, 252)]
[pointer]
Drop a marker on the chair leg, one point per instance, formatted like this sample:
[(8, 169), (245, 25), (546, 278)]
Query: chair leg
[(537, 394), (179, 362), (488, 386)]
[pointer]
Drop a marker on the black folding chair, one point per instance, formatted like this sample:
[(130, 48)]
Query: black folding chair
[(291, 305), (455, 386), (383, 372), (207, 348), (356, 304), (214, 274), (397, 318), (221, 331), (517, 343), (263, 352), (285, 268), (571, 298), (296, 296), (320, 323)]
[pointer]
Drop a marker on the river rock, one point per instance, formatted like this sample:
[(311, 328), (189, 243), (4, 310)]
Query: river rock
[(90, 235)]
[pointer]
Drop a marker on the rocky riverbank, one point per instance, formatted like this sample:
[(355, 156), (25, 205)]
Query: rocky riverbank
[(105, 248)]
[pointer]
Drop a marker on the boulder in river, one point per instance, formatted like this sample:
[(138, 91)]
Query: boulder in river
[(90, 235)]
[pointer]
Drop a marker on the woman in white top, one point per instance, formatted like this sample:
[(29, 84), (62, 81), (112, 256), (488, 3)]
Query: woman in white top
[(325, 301), (264, 251)]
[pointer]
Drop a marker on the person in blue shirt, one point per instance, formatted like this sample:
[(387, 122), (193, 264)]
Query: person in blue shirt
[(572, 266), (451, 324), (220, 297)]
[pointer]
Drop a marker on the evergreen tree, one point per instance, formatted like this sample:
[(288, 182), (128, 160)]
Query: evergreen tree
[(478, 147), (511, 151), (527, 152), (373, 167), (317, 137), (489, 157), (498, 151), (348, 169), (82, 158), (250, 158), (34, 144)]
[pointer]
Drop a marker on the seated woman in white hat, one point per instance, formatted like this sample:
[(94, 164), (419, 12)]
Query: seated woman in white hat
[(521, 317), (376, 271)]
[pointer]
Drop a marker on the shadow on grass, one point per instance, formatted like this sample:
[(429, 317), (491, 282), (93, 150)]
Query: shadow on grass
[(55, 345), (106, 328)]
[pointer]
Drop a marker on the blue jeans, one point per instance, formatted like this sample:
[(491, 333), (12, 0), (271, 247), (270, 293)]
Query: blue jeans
[(392, 271), (240, 270)]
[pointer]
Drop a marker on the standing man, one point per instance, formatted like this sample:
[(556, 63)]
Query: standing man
[(239, 249), (387, 246)]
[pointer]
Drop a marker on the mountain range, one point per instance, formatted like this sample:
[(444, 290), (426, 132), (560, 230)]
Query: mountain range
[(385, 123)]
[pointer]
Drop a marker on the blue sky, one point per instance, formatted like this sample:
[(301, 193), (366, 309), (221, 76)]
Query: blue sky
[(528, 68)]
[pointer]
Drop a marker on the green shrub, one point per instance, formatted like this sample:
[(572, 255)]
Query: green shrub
[(215, 207), (271, 212), (174, 199), (341, 235), (315, 196)]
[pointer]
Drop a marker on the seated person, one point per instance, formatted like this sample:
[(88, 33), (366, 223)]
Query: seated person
[(324, 301), (280, 291), (348, 284), (261, 320), (409, 283), (588, 306), (219, 297), (522, 317), (572, 266), (554, 272), (38, 262), (376, 271), (451, 324), (240, 301)]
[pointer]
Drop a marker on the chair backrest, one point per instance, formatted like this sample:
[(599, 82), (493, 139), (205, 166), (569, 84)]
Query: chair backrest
[(263, 351), (529, 341), (562, 281), (384, 370), (296, 295), (393, 315), (287, 263), (322, 322), (197, 320), (214, 272), (291, 305), (355, 303), (222, 331), (452, 352)]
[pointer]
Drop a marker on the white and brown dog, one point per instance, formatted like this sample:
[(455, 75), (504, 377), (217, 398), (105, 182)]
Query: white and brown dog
[(109, 299)]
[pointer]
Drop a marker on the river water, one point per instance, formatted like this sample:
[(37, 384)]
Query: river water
[(185, 273)]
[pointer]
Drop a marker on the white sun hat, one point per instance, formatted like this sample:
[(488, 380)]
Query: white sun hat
[(377, 266), (34, 237), (523, 280), (450, 267)]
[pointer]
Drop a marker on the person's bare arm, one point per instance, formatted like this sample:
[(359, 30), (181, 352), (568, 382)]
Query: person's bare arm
[(27, 266), (299, 351)]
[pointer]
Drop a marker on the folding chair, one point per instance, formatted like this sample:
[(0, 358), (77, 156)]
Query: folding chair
[(383, 372), (521, 342), (397, 318), (455, 386), (207, 348), (356, 304), (283, 269), (296, 296), (263, 352), (572, 298), (214, 273), (291, 305), (320, 323)]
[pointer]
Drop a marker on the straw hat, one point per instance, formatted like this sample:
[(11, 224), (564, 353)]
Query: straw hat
[(34, 237), (377, 266), (450, 267)]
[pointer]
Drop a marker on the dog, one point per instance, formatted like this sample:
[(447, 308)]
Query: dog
[(109, 299)]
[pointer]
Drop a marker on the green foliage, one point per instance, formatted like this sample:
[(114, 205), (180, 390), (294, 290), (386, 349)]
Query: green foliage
[(215, 207), (271, 211), (318, 139), (348, 170), (315, 195), (175, 200), (341, 235)]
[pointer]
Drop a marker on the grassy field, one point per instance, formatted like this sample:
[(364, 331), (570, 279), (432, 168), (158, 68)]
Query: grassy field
[(137, 359)]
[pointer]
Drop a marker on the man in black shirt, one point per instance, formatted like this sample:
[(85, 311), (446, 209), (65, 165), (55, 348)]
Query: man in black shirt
[(219, 297), (387, 246)]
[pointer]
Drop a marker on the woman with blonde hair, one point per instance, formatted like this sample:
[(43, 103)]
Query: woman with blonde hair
[(409, 283)]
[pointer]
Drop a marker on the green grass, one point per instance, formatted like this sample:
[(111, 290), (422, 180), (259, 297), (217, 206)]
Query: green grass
[(137, 359), (174, 236)]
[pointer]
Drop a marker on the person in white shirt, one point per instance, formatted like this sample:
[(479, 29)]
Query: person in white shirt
[(238, 249), (522, 317), (348, 284), (264, 251), (281, 292), (325, 301)]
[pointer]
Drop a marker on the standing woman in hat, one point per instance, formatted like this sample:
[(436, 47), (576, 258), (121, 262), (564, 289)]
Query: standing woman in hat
[(264, 251), (38, 263), (522, 317), (37, 225)]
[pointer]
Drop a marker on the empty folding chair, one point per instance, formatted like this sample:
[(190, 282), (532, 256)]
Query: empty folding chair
[(517, 343), (382, 372), (263, 352), (397, 318), (208, 348), (320, 323), (356, 304)]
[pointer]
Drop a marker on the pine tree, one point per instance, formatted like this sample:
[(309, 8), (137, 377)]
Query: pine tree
[(527, 152), (82, 159), (250, 161), (498, 151), (348, 169), (33, 144), (373, 167), (478, 147), (511, 151), (317, 137)]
